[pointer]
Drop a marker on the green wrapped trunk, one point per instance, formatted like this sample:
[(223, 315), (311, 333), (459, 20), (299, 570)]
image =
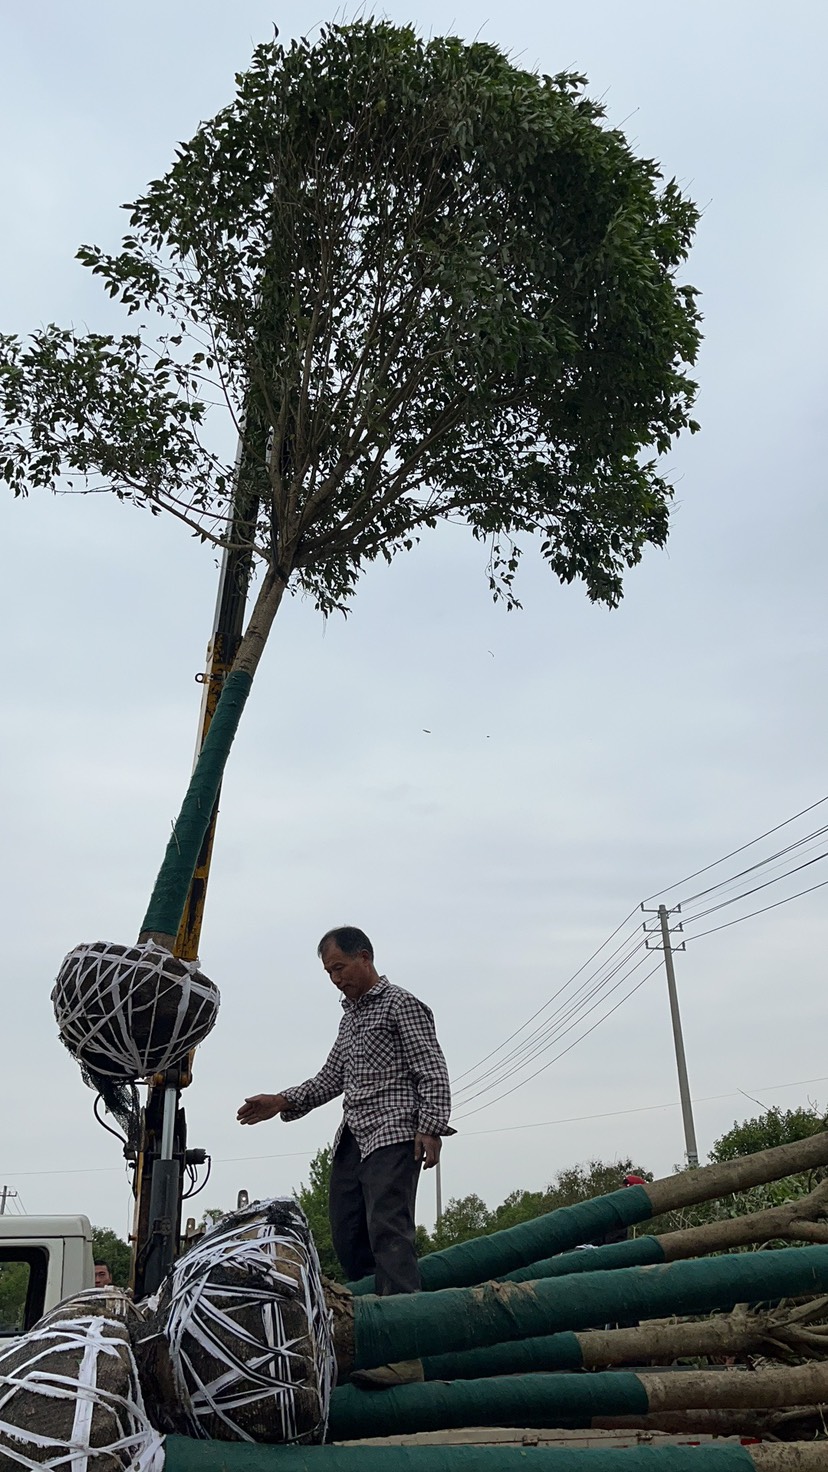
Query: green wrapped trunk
[(517, 1400), (569, 1401), (500, 1253), (639, 1252), (169, 896), (408, 1326), (183, 1455), (516, 1357)]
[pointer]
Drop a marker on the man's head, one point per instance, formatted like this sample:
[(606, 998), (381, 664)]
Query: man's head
[(348, 957), (103, 1277)]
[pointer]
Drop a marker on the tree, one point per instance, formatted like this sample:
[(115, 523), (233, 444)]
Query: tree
[(313, 1199), (209, 1217), (776, 1127), (108, 1247), (424, 284), (762, 1132), (467, 1217), (463, 1218)]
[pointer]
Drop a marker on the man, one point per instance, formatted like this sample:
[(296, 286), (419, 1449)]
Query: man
[(103, 1276), (389, 1066)]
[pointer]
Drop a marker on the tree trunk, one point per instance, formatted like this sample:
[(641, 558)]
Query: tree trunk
[(169, 896), (500, 1253), (408, 1326), (658, 1342), (795, 1220), (570, 1401), (185, 1455)]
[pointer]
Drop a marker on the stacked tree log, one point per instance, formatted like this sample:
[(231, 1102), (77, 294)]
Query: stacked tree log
[(500, 1371), (239, 1344)]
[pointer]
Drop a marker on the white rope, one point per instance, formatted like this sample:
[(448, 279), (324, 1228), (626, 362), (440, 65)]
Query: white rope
[(87, 1339), (270, 1246), (106, 1002)]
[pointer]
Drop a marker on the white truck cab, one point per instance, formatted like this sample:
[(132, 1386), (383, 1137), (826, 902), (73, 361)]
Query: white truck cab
[(43, 1259)]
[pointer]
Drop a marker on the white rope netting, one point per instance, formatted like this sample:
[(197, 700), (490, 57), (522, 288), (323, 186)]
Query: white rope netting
[(70, 1401), (129, 1011), (249, 1332)]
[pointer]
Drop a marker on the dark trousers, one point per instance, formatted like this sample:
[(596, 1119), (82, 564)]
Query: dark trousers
[(372, 1213)]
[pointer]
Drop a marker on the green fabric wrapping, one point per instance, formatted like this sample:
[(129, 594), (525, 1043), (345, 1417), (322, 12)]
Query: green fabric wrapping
[(410, 1325), (172, 885), (184, 1455), (517, 1357), (500, 1252), (637, 1253), (516, 1400)]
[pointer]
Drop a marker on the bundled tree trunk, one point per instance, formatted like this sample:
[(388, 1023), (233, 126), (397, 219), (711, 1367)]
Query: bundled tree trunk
[(802, 1220), (411, 1325), (501, 1253), (783, 1331), (568, 1400), (200, 1456)]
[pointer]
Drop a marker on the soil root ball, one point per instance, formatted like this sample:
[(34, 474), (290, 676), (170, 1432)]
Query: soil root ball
[(69, 1392), (125, 1012), (243, 1326)]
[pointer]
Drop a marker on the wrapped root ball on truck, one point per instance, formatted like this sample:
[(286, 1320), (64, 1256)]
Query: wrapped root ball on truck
[(69, 1394), (125, 1012), (248, 1331)]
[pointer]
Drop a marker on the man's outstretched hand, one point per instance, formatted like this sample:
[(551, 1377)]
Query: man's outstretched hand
[(427, 1149), (261, 1106)]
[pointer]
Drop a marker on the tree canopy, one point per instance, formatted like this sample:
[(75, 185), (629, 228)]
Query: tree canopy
[(424, 283)]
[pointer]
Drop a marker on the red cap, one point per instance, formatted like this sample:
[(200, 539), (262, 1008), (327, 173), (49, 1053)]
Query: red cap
[(632, 1180)]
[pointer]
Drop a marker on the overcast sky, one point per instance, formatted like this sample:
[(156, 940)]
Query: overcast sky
[(488, 795)]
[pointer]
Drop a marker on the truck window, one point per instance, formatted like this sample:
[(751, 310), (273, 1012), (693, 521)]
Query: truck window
[(22, 1287)]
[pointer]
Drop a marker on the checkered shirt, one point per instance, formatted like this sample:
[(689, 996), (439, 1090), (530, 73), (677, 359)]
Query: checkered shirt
[(390, 1067)]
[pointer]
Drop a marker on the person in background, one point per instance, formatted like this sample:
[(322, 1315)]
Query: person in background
[(103, 1276)]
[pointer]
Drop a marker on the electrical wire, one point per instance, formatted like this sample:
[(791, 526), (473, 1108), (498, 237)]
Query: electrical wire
[(508, 1063), (566, 1050), (779, 856), (739, 918), (577, 1009), (537, 1041), (549, 1002), (620, 956), (734, 900), (742, 849)]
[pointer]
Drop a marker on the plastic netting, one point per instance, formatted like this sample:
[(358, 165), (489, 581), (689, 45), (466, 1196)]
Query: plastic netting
[(249, 1332), (125, 1012), (70, 1400)]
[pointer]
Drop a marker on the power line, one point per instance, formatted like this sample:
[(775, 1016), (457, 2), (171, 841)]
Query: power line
[(564, 1051), (780, 856), (535, 1124), (595, 987), (550, 1029), (742, 849), (577, 1010), (550, 1000), (734, 900), (739, 918)]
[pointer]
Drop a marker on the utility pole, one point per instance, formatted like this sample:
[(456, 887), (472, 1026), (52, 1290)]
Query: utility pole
[(691, 1149), (6, 1194)]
